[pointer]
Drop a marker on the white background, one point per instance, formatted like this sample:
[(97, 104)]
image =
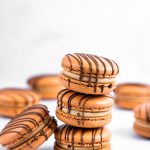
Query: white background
[(34, 36)]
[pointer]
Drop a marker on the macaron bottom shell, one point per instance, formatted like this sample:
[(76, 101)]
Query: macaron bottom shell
[(142, 130), (60, 146), (88, 122), (130, 103), (126, 104), (49, 93), (10, 111)]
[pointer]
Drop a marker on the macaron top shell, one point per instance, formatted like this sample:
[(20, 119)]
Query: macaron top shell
[(44, 80), (133, 89), (18, 97), (24, 124), (79, 101), (92, 65), (142, 112), (69, 134)]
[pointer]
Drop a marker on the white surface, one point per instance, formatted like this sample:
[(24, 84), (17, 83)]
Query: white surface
[(123, 137), (34, 36)]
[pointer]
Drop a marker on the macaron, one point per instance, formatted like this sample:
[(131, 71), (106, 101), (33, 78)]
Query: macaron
[(129, 95), (13, 101), (29, 129), (82, 110), (142, 120), (73, 138), (47, 85), (89, 74)]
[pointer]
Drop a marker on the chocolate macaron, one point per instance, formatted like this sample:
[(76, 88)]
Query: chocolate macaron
[(13, 101), (73, 138), (29, 129), (47, 85), (90, 74), (142, 120), (129, 95), (82, 110)]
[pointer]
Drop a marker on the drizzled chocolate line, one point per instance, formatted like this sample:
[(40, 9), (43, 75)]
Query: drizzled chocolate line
[(111, 64), (97, 70), (34, 122), (17, 122), (101, 136), (93, 137), (60, 99), (147, 112), (70, 132), (83, 100), (81, 65), (90, 66), (70, 99), (79, 57)]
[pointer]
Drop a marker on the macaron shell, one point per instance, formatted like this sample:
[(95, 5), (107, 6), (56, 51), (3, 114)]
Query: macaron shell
[(126, 104), (90, 103), (13, 101), (11, 112), (83, 87), (44, 80), (47, 85), (142, 131), (22, 129), (129, 95), (18, 97), (142, 112), (73, 63), (49, 94), (133, 89), (89, 122), (57, 147), (78, 137), (39, 139), (29, 114)]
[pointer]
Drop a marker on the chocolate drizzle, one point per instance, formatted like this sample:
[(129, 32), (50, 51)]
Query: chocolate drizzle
[(147, 112), (70, 132), (73, 95), (90, 59), (25, 118)]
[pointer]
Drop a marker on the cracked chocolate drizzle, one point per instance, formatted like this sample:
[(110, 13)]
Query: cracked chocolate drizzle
[(70, 133), (79, 57), (70, 97), (22, 121)]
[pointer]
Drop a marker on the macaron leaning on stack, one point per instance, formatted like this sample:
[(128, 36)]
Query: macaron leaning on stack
[(29, 129), (85, 105)]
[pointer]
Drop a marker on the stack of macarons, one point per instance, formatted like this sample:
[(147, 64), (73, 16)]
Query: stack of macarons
[(85, 105)]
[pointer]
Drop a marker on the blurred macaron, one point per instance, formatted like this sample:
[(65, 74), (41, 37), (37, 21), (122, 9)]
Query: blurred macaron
[(129, 95), (47, 85)]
